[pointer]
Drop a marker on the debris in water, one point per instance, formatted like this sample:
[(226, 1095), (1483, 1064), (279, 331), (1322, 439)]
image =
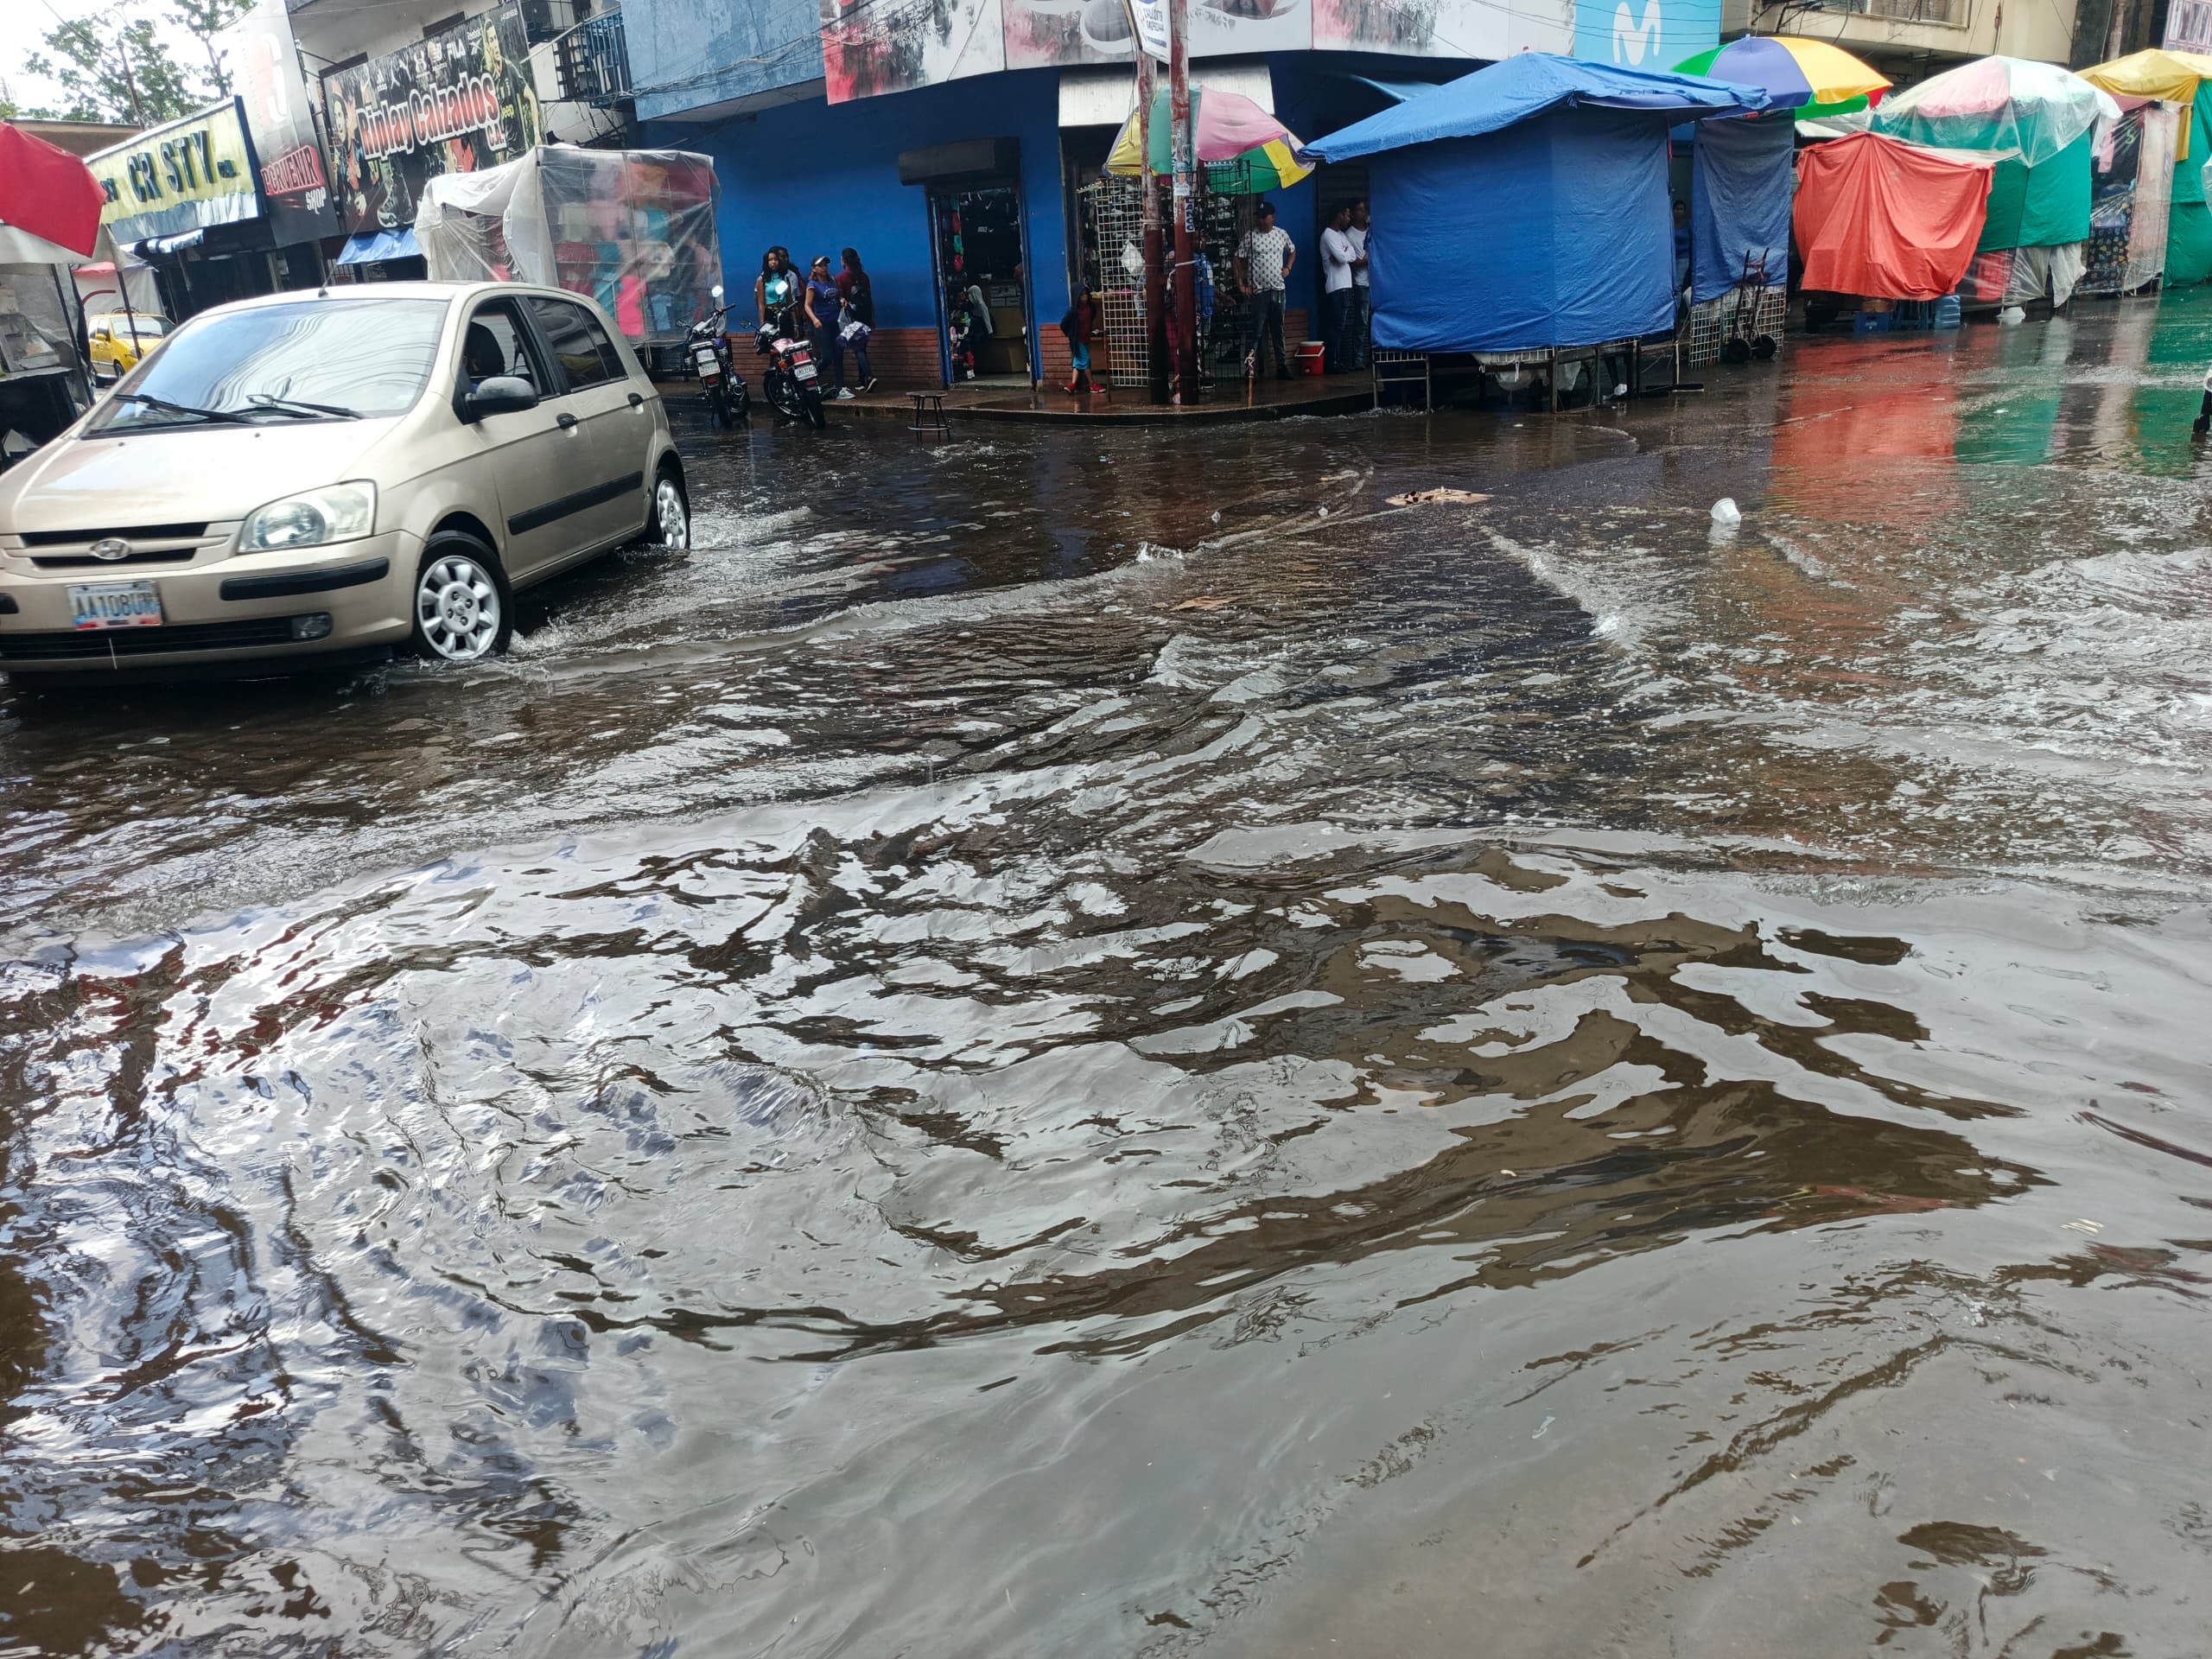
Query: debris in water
[(1544, 1429), (1437, 498), (1725, 513), (2092, 1227), (1207, 602)]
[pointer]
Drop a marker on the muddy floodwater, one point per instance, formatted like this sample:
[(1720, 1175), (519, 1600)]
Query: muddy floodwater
[(1056, 1043)]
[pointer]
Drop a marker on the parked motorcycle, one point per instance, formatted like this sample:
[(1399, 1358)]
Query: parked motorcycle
[(793, 379), (728, 398)]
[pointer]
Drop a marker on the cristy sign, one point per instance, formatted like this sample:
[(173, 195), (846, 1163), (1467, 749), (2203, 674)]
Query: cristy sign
[(185, 177)]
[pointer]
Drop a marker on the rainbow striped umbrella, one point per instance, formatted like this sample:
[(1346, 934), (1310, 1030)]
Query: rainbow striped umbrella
[(1811, 77), (1245, 151)]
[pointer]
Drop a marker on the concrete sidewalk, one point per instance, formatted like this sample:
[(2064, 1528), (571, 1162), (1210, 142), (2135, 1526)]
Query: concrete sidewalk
[(1266, 399)]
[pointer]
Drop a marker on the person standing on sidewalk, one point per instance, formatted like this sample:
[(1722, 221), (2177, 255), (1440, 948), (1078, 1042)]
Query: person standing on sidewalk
[(822, 322), (1337, 255), (1264, 261), (856, 296), (1362, 296)]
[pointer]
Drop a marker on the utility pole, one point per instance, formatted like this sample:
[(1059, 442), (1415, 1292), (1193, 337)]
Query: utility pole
[(1186, 202), (1155, 290)]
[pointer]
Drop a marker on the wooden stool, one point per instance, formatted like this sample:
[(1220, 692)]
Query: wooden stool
[(929, 412)]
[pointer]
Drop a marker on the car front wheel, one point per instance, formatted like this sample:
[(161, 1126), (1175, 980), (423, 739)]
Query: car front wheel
[(462, 614), (670, 525)]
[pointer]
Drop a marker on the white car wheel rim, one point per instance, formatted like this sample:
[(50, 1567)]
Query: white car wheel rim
[(457, 608), (668, 510)]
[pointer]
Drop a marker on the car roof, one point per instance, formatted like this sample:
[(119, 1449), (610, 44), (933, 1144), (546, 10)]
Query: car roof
[(346, 293)]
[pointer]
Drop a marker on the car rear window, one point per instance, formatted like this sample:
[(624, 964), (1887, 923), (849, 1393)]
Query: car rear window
[(371, 357)]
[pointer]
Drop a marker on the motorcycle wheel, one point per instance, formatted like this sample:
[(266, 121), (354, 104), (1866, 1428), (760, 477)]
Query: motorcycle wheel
[(813, 401), (783, 393)]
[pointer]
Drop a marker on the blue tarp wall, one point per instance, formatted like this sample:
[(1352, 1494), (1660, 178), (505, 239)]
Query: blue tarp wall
[(1741, 181), (1553, 232)]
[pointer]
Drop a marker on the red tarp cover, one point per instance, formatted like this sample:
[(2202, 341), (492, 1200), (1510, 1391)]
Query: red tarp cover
[(47, 191), (1885, 219)]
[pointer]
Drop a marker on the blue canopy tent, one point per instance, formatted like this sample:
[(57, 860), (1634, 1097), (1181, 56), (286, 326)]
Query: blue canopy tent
[(1523, 208)]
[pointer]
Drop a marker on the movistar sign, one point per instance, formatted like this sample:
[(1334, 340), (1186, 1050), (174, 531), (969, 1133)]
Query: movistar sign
[(1645, 34)]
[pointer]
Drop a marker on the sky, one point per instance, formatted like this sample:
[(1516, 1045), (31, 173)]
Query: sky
[(24, 25)]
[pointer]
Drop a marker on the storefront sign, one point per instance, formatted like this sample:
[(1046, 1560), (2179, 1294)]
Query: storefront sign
[(185, 177), (265, 66), (456, 102)]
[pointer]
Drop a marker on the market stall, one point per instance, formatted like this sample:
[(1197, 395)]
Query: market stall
[(1742, 173), (1528, 206), (50, 220), (2182, 80), (2037, 120), (633, 229)]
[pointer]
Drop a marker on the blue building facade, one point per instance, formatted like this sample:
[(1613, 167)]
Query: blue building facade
[(921, 136)]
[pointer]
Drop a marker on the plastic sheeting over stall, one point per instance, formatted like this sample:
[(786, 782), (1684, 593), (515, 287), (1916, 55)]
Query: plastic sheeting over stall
[(1887, 219), (634, 229), (2128, 199), (1741, 179), (1530, 200)]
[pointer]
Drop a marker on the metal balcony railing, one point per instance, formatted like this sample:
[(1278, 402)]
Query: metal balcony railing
[(595, 61), (1905, 11)]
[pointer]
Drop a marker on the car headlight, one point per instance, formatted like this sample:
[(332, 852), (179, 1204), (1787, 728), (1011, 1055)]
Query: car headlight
[(311, 519)]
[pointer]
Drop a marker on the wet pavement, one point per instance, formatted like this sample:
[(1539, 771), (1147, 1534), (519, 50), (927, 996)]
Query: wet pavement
[(1052, 1045)]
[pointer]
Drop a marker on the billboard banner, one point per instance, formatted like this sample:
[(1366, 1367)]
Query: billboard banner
[(870, 47), (1444, 28), (457, 101), (185, 177), (265, 66), (1645, 34)]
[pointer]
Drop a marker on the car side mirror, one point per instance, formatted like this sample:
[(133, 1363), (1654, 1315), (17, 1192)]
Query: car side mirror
[(501, 394), (102, 334)]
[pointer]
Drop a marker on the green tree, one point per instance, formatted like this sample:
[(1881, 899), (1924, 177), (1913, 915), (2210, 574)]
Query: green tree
[(112, 68)]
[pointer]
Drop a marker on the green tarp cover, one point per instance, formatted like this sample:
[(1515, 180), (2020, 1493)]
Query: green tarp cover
[(2040, 206), (2189, 244)]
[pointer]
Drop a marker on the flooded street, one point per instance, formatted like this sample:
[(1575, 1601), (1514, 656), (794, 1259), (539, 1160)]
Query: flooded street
[(1056, 1045)]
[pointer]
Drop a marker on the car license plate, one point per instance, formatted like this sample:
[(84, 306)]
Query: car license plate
[(805, 370), (706, 357), (116, 605), (711, 371)]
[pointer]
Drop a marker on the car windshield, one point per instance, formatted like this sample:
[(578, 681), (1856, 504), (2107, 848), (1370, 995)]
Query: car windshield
[(144, 327), (351, 357)]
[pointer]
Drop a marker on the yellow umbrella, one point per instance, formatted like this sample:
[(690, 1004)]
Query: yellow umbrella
[(2155, 73)]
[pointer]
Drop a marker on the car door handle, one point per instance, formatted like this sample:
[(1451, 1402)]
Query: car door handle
[(564, 420), (637, 400)]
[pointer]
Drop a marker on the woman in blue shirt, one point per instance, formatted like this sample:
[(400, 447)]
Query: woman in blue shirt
[(822, 322)]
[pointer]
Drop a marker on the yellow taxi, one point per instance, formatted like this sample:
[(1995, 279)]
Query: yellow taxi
[(119, 339)]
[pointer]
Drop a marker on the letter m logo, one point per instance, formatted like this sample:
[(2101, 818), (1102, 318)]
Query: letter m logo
[(1634, 42)]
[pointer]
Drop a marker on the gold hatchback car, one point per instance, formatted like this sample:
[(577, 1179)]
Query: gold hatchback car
[(311, 477)]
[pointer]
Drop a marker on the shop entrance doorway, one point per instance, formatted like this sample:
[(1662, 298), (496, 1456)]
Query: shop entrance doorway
[(983, 282)]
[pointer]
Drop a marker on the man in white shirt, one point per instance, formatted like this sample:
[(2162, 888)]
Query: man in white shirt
[(1263, 264), (1337, 255), (1363, 308)]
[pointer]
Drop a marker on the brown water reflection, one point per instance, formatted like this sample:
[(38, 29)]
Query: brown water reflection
[(998, 1062)]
